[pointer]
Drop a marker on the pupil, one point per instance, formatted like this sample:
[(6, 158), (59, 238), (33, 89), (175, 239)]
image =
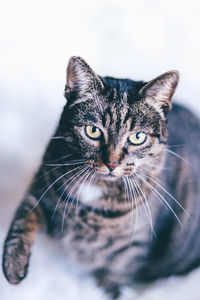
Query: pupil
[(94, 129), (138, 135)]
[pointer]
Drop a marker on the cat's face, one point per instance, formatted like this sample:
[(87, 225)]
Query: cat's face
[(117, 126)]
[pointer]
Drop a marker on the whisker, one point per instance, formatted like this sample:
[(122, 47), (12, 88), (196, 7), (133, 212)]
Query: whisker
[(85, 175), (174, 146), (57, 166), (51, 186), (69, 195), (168, 194), (134, 191), (156, 167), (57, 137), (130, 200), (60, 158), (131, 189), (81, 186), (159, 196), (37, 178), (90, 180), (177, 155), (93, 176), (82, 167), (72, 163), (65, 156), (136, 208), (147, 208), (70, 179), (127, 189), (126, 195)]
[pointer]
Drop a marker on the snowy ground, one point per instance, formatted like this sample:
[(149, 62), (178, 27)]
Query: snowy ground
[(124, 38)]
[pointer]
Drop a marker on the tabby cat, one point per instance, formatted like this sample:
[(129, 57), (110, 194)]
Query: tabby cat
[(119, 183)]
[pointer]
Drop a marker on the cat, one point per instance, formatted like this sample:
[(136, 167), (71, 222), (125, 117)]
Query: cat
[(119, 183)]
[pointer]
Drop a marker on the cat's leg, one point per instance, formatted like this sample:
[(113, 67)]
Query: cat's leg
[(21, 235)]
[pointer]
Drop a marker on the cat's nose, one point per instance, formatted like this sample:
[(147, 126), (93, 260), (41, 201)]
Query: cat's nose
[(112, 165)]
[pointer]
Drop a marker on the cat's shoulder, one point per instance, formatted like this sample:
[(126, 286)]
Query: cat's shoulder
[(181, 116), (183, 127)]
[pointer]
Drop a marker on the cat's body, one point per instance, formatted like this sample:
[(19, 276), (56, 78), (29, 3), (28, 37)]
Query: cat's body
[(100, 209)]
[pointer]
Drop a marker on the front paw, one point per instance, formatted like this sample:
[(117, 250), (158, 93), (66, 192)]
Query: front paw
[(15, 263)]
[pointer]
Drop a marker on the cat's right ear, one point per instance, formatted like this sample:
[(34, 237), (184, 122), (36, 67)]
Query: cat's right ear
[(81, 78), (159, 91)]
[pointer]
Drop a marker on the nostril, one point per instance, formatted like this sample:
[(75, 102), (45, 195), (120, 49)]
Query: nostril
[(111, 166)]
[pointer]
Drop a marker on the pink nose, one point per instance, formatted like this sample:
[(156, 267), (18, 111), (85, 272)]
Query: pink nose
[(112, 165)]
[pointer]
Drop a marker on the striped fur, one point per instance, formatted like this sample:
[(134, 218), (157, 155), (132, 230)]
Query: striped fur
[(124, 224)]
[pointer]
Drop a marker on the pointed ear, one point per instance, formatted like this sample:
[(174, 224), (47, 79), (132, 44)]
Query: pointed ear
[(80, 77), (160, 90)]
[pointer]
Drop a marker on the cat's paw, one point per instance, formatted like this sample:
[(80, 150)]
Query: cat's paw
[(15, 264)]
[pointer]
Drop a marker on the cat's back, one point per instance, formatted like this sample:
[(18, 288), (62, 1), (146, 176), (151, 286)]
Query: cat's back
[(184, 129), (183, 150), (176, 249)]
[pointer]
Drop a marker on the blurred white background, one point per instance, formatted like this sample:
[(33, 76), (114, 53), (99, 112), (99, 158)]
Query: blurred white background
[(138, 39)]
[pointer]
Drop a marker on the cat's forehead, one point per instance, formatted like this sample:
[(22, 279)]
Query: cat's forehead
[(117, 114), (117, 109), (127, 117)]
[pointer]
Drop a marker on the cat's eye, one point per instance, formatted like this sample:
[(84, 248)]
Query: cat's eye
[(93, 132), (138, 138)]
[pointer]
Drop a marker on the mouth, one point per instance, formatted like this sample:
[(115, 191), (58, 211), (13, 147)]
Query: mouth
[(109, 176)]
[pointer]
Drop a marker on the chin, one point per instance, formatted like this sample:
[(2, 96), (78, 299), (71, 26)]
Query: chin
[(110, 177)]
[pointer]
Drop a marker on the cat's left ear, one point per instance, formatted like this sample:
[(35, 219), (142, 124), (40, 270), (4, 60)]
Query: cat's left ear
[(80, 77), (159, 91)]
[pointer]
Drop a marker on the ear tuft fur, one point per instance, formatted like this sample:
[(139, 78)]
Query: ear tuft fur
[(80, 77), (160, 90)]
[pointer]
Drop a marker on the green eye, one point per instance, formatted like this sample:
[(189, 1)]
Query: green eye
[(93, 132), (138, 138)]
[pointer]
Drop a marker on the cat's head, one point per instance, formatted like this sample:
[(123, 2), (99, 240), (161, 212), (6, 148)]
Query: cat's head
[(117, 125)]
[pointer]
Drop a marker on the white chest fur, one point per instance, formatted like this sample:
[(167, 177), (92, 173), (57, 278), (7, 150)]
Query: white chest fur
[(90, 193)]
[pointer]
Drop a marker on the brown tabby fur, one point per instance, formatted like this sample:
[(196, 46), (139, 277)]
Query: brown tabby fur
[(121, 209)]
